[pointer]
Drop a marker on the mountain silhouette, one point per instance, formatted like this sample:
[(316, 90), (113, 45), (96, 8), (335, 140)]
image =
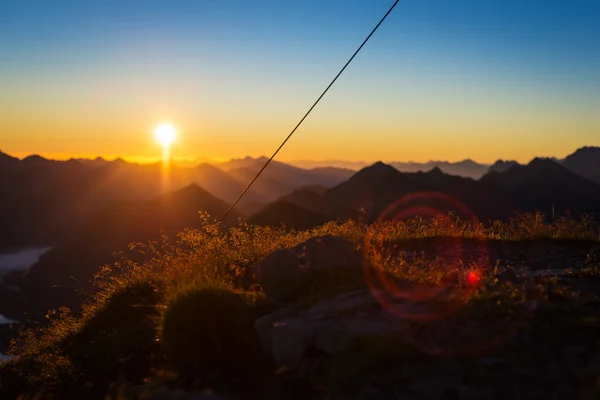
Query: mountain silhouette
[(289, 214), (88, 209), (171, 212), (544, 184), (585, 162), (221, 184), (7, 162), (466, 197), (369, 191), (365, 194), (96, 162), (466, 168), (44, 201), (280, 179), (502, 166)]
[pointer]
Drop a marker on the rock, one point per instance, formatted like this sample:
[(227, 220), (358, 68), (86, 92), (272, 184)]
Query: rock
[(291, 339), (264, 326), (288, 274), (326, 253), (282, 275), (328, 327), (336, 336)]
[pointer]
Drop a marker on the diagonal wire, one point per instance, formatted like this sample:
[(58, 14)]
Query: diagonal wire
[(309, 111)]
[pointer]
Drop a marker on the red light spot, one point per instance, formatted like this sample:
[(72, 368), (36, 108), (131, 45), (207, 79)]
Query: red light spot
[(473, 277)]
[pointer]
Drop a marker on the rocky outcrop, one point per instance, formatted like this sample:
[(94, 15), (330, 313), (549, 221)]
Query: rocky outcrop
[(328, 327), (289, 274)]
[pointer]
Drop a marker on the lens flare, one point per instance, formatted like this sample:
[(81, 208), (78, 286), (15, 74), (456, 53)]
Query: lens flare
[(441, 322)]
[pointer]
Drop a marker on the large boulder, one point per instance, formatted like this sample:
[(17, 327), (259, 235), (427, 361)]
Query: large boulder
[(287, 274), (328, 327)]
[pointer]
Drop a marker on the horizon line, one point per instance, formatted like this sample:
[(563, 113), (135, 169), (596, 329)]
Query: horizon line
[(218, 160)]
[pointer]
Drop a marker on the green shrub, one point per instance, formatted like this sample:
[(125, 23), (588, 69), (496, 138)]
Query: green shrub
[(208, 332)]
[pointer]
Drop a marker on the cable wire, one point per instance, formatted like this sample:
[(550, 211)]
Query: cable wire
[(309, 111)]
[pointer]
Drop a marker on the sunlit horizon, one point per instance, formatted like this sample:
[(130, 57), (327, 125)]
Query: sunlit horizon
[(159, 158)]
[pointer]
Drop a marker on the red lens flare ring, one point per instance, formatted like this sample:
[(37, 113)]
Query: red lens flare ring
[(435, 309), (462, 271), (457, 284)]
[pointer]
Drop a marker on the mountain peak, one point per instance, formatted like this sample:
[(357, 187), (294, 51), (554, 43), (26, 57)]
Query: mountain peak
[(376, 173), (588, 149), (436, 171), (585, 162), (543, 162), (379, 166), (468, 162), (35, 157), (502, 165), (36, 160), (192, 190), (587, 153)]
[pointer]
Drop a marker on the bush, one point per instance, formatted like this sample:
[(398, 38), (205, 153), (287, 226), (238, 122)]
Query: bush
[(87, 358), (208, 332)]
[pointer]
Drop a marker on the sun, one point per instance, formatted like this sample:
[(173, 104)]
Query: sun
[(165, 135)]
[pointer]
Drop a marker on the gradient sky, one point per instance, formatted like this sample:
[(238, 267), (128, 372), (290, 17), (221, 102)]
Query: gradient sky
[(441, 79)]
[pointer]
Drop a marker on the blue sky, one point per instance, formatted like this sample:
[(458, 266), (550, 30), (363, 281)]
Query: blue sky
[(441, 79)]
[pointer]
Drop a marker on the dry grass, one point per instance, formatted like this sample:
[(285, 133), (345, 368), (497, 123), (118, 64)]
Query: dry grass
[(53, 358)]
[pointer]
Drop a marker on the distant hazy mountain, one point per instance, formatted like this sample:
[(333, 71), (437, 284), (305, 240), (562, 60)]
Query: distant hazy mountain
[(97, 162), (502, 166), (192, 162), (330, 176), (221, 184), (245, 162), (344, 164), (279, 179), (585, 162), (141, 220), (44, 201), (467, 168)]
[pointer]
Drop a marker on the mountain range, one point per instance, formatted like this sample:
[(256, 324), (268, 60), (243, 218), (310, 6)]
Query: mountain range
[(581, 161), (87, 209)]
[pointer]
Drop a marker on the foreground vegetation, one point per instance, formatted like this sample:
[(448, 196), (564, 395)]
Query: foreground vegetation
[(180, 315)]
